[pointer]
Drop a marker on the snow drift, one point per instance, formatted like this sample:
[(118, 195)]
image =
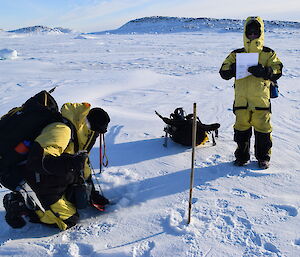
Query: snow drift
[(8, 54)]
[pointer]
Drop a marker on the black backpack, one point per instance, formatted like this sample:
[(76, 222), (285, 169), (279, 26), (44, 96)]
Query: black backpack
[(19, 128), (179, 127)]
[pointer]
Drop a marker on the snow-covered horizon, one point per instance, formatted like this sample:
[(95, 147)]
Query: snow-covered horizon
[(237, 211), (40, 29), (162, 24), (165, 24)]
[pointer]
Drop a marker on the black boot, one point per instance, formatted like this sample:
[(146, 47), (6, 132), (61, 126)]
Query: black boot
[(264, 164), (15, 207), (242, 152), (263, 144)]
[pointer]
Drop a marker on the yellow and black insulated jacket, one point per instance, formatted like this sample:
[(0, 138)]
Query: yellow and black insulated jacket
[(57, 139), (251, 92)]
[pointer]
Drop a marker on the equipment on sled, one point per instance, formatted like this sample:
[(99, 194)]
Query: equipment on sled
[(179, 128)]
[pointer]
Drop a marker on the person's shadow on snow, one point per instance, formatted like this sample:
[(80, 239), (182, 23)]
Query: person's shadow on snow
[(133, 152)]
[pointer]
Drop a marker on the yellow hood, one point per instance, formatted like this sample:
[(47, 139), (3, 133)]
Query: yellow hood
[(256, 45), (76, 113)]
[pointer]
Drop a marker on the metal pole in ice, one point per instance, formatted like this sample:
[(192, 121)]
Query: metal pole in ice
[(194, 133)]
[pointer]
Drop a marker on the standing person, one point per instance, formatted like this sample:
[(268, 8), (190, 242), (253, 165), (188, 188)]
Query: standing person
[(252, 106), (58, 170)]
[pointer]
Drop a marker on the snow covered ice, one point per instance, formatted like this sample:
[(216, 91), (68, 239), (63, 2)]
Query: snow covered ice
[(8, 54), (237, 211)]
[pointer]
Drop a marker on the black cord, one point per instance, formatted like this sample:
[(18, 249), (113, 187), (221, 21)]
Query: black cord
[(94, 173)]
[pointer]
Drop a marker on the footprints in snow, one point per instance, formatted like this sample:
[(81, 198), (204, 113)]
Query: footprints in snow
[(94, 229), (228, 224), (289, 210), (68, 247), (225, 223), (243, 193), (271, 248), (213, 160), (125, 190), (72, 250), (297, 242), (273, 213), (143, 249)]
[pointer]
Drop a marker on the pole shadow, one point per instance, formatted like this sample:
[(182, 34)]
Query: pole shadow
[(175, 182)]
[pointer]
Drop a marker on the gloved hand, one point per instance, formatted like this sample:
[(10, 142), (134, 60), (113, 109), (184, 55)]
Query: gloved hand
[(76, 162), (65, 163), (260, 71)]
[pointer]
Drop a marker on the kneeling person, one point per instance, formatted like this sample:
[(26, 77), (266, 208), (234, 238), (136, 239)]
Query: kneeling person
[(58, 170)]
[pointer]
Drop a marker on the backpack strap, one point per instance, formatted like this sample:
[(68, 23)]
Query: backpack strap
[(74, 137), (31, 200), (91, 141)]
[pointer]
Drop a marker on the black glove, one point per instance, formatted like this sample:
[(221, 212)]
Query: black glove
[(76, 162), (98, 200), (260, 71)]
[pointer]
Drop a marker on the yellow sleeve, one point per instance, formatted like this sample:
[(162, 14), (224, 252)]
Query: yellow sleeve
[(276, 65), (54, 138), (230, 59), (227, 71)]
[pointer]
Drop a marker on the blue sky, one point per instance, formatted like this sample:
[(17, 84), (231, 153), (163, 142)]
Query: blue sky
[(97, 15)]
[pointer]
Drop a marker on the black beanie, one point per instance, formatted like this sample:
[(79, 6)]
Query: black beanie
[(98, 119)]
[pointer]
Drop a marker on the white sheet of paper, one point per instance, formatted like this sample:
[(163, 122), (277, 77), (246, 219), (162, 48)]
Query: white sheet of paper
[(243, 62)]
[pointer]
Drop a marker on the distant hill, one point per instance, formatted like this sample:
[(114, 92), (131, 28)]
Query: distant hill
[(161, 24), (41, 29)]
